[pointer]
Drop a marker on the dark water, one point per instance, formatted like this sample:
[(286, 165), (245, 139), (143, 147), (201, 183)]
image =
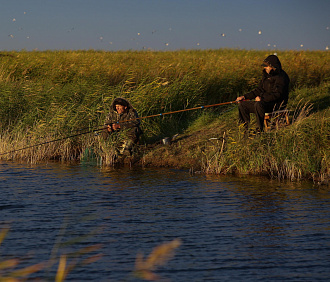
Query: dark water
[(232, 229)]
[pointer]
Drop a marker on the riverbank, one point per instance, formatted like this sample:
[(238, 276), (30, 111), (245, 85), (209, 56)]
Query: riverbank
[(218, 146), (62, 95)]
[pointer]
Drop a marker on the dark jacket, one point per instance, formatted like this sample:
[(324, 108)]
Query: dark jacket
[(127, 120), (273, 87)]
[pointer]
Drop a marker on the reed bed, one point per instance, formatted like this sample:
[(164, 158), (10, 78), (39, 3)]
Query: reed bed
[(295, 152), (291, 153), (53, 94)]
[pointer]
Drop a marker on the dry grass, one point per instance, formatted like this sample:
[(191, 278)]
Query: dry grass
[(54, 94)]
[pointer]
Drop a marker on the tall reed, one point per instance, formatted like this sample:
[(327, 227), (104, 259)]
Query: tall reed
[(295, 152), (54, 94)]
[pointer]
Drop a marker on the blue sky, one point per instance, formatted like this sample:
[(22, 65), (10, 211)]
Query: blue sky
[(164, 24)]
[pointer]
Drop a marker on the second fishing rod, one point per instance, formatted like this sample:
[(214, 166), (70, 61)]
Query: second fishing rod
[(104, 127), (163, 114)]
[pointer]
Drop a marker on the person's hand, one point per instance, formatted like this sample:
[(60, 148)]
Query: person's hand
[(258, 99), (240, 98), (109, 128), (115, 126)]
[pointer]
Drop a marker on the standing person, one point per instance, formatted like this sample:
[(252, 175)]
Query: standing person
[(271, 94), (123, 117)]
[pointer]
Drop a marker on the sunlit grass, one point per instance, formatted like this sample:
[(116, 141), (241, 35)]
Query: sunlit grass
[(160, 255), (54, 94), (293, 152)]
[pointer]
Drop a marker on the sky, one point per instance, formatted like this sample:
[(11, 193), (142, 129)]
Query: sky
[(114, 25)]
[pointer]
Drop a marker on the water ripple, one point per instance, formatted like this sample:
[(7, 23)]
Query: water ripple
[(232, 229)]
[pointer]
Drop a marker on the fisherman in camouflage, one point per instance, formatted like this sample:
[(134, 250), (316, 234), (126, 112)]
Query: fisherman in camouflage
[(123, 118)]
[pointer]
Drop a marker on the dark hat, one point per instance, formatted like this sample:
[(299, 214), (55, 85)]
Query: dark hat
[(119, 101), (271, 61)]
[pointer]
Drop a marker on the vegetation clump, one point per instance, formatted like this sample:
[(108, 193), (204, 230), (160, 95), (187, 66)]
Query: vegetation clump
[(51, 95)]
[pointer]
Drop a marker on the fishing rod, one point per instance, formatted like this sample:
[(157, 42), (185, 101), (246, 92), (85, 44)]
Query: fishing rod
[(179, 111), (51, 141), (174, 112), (104, 127)]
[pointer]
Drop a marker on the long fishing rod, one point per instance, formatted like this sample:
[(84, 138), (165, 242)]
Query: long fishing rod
[(103, 127), (51, 141), (179, 111), (174, 112)]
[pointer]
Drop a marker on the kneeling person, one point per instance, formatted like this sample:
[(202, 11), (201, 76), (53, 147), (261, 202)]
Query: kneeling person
[(123, 117)]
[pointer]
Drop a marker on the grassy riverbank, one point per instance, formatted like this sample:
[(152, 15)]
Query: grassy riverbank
[(55, 94)]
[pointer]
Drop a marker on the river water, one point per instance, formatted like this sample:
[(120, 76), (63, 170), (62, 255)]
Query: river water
[(231, 229)]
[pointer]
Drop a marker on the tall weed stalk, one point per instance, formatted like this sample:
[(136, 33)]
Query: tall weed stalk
[(53, 94)]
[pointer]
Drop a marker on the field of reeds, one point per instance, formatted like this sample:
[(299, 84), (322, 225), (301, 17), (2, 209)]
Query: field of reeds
[(46, 96)]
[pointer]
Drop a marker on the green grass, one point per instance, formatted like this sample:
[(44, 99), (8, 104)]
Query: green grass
[(54, 94), (295, 152)]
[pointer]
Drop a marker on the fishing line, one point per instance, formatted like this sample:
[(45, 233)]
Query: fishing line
[(174, 112), (179, 111), (52, 141), (103, 127)]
